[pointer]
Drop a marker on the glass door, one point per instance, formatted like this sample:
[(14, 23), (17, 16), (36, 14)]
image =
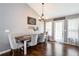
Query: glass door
[(72, 37), (59, 30)]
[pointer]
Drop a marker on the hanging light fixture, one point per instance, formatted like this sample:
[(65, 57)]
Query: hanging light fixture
[(42, 17)]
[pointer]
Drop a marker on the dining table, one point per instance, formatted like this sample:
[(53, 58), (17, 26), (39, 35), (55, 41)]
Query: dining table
[(24, 38)]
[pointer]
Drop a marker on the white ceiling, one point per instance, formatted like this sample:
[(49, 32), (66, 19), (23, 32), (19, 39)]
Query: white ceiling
[(52, 10)]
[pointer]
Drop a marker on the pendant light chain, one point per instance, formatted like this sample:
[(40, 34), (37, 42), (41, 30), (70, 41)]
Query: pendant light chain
[(42, 9), (42, 17)]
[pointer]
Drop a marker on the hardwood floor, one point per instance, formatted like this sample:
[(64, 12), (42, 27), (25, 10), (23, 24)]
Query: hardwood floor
[(48, 49)]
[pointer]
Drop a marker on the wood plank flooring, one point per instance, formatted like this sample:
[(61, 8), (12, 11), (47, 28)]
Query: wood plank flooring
[(48, 49)]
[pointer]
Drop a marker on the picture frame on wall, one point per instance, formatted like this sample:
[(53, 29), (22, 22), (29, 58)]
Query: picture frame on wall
[(31, 21)]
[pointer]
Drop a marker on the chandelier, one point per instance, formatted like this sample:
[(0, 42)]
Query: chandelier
[(42, 17)]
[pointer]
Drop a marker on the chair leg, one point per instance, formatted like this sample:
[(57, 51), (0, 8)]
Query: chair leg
[(20, 51), (12, 52)]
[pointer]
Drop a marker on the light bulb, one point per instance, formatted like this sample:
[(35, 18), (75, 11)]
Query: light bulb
[(39, 18), (43, 17)]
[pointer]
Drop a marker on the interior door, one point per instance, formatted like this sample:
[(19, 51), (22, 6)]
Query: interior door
[(59, 30)]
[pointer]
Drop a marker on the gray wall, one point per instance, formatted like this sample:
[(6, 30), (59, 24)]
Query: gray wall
[(14, 17)]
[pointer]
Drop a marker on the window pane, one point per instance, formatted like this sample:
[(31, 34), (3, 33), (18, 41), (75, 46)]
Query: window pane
[(49, 28), (73, 30)]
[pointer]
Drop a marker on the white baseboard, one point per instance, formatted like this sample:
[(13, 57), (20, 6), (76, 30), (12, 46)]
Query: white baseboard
[(68, 43), (71, 44), (5, 51)]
